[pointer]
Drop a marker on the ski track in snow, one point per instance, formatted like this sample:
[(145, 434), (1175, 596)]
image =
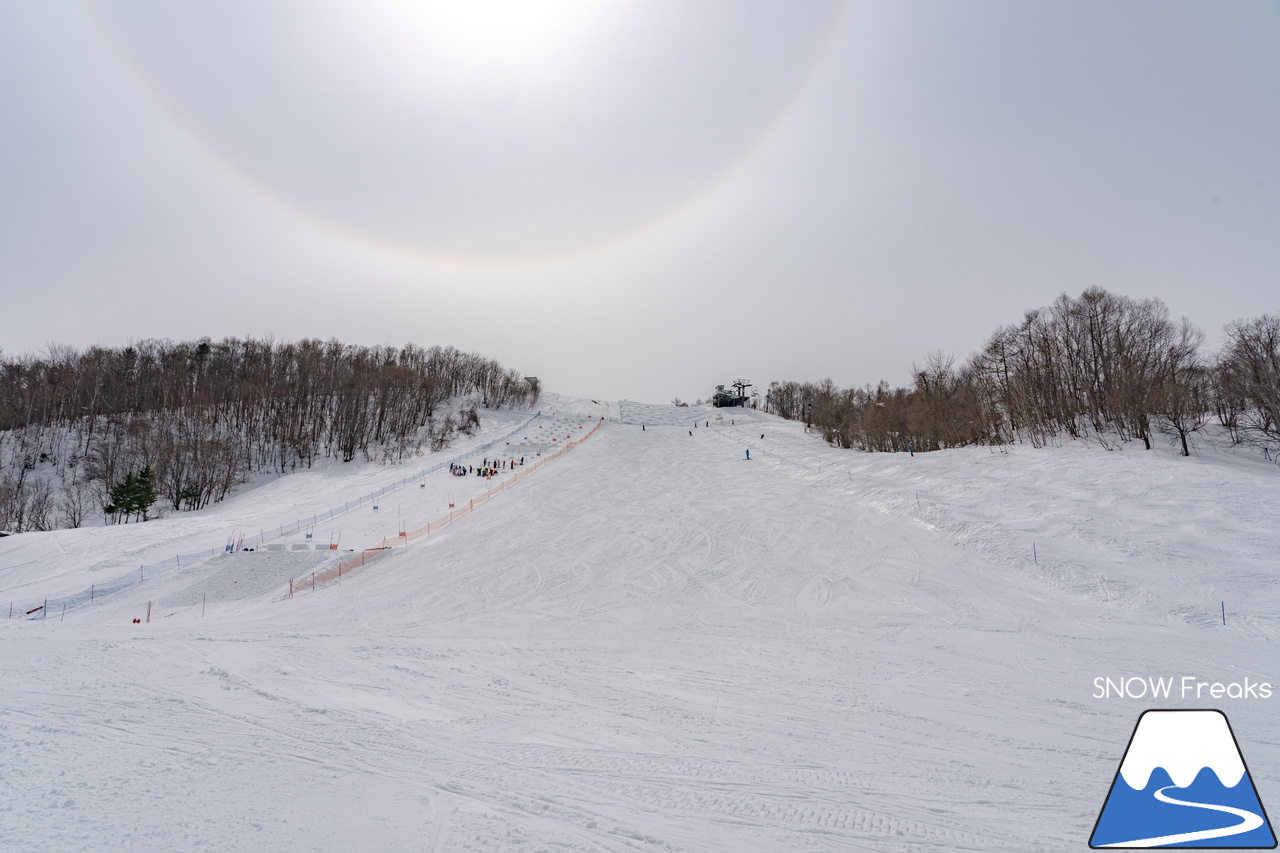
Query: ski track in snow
[(650, 644)]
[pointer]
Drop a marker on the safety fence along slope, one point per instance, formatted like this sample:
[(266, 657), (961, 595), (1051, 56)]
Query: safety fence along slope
[(405, 537)]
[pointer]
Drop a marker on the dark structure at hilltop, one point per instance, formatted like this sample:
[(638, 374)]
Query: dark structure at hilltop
[(723, 398)]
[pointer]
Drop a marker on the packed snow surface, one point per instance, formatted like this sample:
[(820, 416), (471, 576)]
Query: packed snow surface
[(650, 644)]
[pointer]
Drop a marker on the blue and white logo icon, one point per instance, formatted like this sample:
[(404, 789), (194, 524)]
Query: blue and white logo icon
[(1183, 783)]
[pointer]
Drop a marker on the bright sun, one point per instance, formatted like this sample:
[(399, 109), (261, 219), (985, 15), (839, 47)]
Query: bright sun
[(503, 23), (517, 31)]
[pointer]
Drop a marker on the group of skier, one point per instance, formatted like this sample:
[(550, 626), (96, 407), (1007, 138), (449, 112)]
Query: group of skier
[(487, 467), (707, 424)]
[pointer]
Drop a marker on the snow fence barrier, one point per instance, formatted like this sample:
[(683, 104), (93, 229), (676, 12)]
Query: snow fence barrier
[(360, 559)]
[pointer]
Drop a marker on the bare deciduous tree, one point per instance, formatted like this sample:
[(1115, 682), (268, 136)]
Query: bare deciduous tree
[(204, 415)]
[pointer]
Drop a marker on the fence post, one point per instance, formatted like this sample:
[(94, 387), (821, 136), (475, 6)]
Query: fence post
[(148, 611)]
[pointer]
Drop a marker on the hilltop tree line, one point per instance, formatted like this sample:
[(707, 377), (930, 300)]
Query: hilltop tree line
[(108, 429), (1099, 365)]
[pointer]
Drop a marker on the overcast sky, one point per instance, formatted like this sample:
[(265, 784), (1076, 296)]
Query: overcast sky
[(632, 199)]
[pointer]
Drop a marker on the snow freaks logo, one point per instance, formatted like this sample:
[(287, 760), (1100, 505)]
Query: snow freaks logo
[(1183, 783)]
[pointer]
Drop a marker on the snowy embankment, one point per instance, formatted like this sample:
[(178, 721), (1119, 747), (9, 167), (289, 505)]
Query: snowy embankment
[(275, 511), (651, 644)]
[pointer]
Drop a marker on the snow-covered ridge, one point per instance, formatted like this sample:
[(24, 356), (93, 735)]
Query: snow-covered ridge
[(1183, 743)]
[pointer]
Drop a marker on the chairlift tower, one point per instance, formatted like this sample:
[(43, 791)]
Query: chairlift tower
[(723, 398)]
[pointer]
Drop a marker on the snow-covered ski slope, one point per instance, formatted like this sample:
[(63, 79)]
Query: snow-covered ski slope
[(650, 644)]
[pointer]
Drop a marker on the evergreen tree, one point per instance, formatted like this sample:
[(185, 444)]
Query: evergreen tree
[(120, 498), (145, 491), (132, 496)]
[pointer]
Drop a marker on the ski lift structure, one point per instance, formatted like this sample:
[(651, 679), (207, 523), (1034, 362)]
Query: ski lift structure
[(724, 398)]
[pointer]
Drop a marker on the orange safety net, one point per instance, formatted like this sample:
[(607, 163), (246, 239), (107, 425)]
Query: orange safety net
[(358, 560)]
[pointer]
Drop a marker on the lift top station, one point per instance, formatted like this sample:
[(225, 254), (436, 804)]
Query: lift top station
[(737, 397)]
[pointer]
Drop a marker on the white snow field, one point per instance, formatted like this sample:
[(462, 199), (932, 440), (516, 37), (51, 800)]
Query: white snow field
[(650, 644)]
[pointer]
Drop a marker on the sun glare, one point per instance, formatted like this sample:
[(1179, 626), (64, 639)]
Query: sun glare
[(512, 30), (505, 23)]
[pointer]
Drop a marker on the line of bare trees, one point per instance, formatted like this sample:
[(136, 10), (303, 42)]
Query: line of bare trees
[(1099, 365), (204, 416)]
